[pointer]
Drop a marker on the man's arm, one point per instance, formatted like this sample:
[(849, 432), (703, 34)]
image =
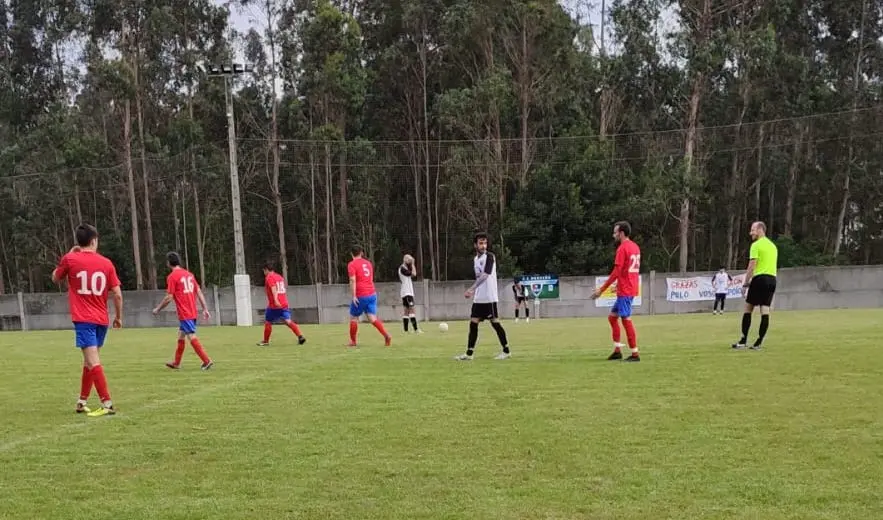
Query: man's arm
[(201, 297), (353, 286), (162, 305), (117, 295), (749, 272), (406, 270), (275, 292), (60, 272), (488, 269)]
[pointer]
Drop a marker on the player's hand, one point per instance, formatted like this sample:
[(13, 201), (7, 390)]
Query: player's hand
[(206, 315), (356, 300), (596, 294), (744, 291), (469, 293), (117, 323), (156, 311)]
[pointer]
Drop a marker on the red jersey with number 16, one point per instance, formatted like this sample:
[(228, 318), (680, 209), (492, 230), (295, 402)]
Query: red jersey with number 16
[(364, 273), (181, 284), (626, 268), (90, 278), (274, 279)]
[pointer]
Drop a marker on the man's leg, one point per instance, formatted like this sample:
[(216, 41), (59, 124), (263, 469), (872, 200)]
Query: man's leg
[(472, 338), (764, 326), (526, 310), (286, 315), (354, 330), (746, 326), (405, 319), (723, 302), (200, 351), (616, 335), (91, 360), (717, 300), (179, 351), (501, 336), (517, 310), (374, 320), (85, 389), (413, 317), (270, 315)]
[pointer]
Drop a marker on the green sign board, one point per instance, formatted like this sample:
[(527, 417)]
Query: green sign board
[(543, 287)]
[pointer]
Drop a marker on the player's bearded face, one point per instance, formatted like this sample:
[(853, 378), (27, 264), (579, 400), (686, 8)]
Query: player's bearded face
[(481, 245)]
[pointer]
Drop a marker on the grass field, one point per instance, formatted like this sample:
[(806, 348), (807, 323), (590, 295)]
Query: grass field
[(693, 431)]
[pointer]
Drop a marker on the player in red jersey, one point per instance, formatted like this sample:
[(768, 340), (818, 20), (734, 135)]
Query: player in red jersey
[(626, 266), (361, 273), (277, 306), (90, 278), (181, 286)]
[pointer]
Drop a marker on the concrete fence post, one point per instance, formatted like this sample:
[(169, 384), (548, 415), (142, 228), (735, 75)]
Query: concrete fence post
[(319, 303), (217, 300), (651, 292), (21, 311), (426, 299)]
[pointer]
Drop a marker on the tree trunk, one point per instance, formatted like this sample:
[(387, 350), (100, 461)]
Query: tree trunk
[(328, 214), (77, 206), (194, 181), (133, 203), (151, 254), (177, 197), (759, 183), (274, 143), (314, 228), (839, 232), (793, 170), (689, 152)]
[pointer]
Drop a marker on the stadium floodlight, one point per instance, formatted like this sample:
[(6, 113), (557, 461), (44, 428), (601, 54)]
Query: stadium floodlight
[(242, 284)]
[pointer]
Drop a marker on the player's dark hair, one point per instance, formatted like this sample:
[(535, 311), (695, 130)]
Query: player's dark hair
[(85, 234), (481, 235), (268, 266), (174, 259), (357, 250), (624, 227)]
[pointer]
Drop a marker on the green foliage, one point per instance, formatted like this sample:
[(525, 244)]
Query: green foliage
[(407, 125)]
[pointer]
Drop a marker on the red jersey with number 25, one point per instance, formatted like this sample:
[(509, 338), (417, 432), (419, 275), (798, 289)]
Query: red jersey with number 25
[(364, 273), (181, 284), (90, 278), (626, 268), (274, 279)]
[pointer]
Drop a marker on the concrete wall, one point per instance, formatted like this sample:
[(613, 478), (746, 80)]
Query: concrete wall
[(798, 289)]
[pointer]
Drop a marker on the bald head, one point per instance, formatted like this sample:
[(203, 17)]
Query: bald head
[(758, 230)]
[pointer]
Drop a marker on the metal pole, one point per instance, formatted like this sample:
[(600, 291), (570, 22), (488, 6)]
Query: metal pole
[(238, 244)]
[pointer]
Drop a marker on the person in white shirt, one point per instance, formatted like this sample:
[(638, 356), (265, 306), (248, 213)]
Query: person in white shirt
[(484, 298), (407, 272), (720, 282)]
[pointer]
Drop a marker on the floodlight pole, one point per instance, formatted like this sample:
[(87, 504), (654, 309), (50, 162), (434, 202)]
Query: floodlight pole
[(242, 284)]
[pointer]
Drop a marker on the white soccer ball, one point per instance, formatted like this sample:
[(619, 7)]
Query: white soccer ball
[(443, 327)]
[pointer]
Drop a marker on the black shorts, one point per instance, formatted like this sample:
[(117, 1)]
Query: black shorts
[(761, 290), (484, 311), (408, 302), (519, 300)]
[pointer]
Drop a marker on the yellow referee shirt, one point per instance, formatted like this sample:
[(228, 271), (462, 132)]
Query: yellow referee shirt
[(766, 256)]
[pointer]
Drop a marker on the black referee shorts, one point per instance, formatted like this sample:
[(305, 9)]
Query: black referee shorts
[(761, 290), (484, 311)]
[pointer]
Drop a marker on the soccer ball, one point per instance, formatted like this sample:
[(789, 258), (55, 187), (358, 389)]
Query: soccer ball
[(443, 327)]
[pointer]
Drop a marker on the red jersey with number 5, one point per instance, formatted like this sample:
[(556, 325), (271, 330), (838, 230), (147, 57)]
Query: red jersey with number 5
[(90, 278), (272, 280), (364, 273), (626, 267), (181, 284)]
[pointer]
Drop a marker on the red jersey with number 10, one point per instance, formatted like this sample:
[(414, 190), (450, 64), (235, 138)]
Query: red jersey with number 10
[(272, 280), (626, 268), (181, 284), (364, 273), (90, 278)]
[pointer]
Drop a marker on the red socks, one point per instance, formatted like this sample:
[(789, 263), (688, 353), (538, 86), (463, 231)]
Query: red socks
[(631, 334), (100, 383), (354, 329), (379, 326), (294, 328), (268, 329), (179, 352), (614, 327), (197, 347), (86, 384)]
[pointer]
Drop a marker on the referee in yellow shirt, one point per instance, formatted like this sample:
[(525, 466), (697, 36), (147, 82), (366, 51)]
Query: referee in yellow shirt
[(760, 283)]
